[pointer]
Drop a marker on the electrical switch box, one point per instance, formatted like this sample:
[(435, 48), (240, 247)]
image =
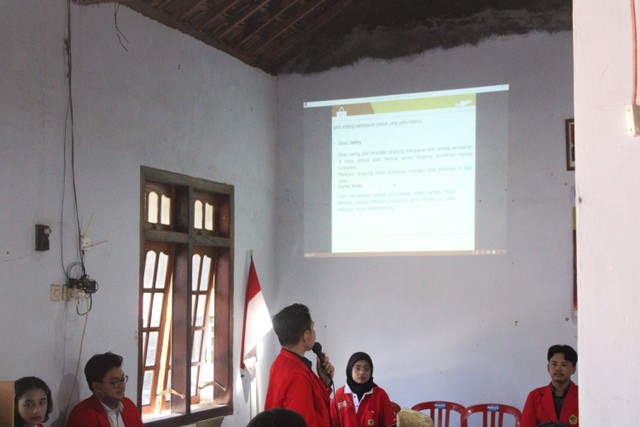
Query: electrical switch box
[(42, 237)]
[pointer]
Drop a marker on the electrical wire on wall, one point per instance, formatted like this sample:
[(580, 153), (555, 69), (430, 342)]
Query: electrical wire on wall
[(76, 271), (119, 33), (633, 109), (80, 285)]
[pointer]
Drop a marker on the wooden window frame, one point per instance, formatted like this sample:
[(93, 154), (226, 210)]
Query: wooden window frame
[(182, 241)]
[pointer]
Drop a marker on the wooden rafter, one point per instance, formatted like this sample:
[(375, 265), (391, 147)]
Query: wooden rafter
[(310, 7), (215, 13), (303, 34), (250, 11), (275, 15)]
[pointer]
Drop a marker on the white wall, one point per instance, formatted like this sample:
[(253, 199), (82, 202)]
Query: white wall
[(608, 227), (467, 329), (464, 329), (167, 101)]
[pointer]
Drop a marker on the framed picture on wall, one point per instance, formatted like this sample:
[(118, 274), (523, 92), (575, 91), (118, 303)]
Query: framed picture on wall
[(571, 144)]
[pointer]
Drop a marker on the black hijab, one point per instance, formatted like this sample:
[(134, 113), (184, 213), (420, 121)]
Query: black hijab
[(359, 389)]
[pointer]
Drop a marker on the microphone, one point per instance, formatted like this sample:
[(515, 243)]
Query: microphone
[(317, 349)]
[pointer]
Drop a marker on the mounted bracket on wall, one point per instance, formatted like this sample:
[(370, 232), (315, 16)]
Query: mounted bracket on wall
[(42, 237), (633, 119)]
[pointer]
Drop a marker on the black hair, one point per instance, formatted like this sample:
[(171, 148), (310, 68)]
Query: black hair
[(568, 352), (277, 417), (24, 385), (98, 366), (291, 323)]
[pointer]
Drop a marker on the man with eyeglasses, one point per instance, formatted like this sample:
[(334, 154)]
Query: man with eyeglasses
[(107, 406)]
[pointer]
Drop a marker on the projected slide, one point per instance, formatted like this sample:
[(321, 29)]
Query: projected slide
[(402, 174)]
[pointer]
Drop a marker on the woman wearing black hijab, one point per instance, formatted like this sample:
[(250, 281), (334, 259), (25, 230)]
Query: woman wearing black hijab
[(361, 403)]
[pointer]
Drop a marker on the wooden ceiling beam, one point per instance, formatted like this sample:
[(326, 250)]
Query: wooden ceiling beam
[(287, 25), (158, 15), (243, 17), (258, 28), (162, 3), (214, 13), (190, 8), (302, 36)]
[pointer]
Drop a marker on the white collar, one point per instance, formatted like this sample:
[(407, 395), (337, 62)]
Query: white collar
[(119, 409), (347, 389)]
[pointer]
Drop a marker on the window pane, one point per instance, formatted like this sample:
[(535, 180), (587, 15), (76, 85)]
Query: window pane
[(200, 311), (197, 342), (153, 346), (204, 278), (208, 216), (152, 207), (161, 276), (197, 217), (156, 311), (206, 393), (165, 211), (146, 299), (206, 383), (149, 268), (146, 387), (194, 379), (195, 272)]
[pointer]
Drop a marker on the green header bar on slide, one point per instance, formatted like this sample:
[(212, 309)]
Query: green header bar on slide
[(417, 95)]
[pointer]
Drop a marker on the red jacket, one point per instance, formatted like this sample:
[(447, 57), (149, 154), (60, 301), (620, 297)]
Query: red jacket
[(292, 385), (539, 407), (91, 413), (375, 409)]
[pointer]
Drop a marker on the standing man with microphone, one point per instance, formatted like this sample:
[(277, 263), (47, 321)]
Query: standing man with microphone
[(292, 383)]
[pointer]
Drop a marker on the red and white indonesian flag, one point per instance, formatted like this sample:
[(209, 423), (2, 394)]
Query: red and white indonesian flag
[(257, 322)]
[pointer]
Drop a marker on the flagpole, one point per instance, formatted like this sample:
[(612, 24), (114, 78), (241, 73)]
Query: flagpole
[(257, 390), (252, 409), (253, 395)]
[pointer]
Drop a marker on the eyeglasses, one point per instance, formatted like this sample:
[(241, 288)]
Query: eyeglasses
[(364, 369), (117, 383)]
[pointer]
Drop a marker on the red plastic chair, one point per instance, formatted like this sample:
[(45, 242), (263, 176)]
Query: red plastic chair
[(396, 407), (439, 411), (492, 414)]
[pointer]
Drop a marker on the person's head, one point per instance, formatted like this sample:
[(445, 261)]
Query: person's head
[(278, 417), (567, 352), (292, 324), (562, 361), (105, 377), (32, 402), (360, 368)]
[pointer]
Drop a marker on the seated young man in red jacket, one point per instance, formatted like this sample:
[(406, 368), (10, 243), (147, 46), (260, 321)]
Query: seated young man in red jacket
[(292, 383), (558, 401), (107, 406)]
